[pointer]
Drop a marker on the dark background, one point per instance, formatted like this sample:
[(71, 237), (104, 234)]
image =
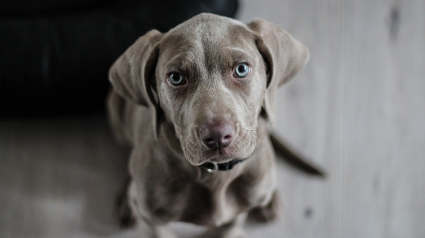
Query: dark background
[(55, 55)]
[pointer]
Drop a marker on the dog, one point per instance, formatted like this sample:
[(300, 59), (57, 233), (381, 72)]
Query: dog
[(194, 104)]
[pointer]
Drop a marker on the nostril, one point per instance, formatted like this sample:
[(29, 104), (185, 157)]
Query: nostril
[(226, 140), (210, 143)]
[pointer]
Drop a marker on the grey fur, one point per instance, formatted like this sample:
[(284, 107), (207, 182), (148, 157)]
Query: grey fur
[(161, 122)]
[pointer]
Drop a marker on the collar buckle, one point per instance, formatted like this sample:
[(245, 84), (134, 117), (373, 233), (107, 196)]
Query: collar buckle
[(211, 167)]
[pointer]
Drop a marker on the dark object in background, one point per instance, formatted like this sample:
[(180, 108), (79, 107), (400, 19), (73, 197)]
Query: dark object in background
[(55, 55)]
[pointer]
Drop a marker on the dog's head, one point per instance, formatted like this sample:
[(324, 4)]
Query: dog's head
[(212, 77)]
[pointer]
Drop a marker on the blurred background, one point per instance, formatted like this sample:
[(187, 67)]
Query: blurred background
[(357, 110)]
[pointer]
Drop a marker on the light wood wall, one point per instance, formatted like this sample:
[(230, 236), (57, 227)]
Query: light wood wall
[(358, 109)]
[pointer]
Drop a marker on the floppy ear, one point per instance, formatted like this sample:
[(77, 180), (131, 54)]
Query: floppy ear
[(132, 75), (284, 57)]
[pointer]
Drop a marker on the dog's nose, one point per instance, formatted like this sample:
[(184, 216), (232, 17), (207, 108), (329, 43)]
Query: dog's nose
[(216, 135)]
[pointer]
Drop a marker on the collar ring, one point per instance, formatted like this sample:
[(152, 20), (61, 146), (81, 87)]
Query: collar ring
[(211, 167)]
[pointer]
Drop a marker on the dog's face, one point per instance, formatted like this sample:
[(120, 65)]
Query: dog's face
[(211, 77), (211, 81)]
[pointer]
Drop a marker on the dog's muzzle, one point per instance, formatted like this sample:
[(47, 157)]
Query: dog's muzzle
[(212, 167)]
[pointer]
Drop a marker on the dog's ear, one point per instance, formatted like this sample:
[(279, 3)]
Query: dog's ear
[(133, 74), (284, 57)]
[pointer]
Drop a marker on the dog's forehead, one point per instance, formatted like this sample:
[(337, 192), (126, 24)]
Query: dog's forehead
[(206, 34), (206, 44), (207, 25)]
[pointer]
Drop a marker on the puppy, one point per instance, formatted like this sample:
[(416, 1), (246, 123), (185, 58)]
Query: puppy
[(193, 103)]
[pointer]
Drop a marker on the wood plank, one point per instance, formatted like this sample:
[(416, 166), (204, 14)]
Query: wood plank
[(358, 108)]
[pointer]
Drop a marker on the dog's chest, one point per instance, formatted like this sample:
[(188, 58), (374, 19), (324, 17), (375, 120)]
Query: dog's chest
[(211, 201), (220, 204)]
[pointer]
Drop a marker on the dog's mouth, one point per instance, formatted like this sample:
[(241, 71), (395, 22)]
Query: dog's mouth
[(213, 167), (197, 154), (217, 156)]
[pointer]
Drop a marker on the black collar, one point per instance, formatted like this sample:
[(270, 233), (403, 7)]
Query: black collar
[(212, 167)]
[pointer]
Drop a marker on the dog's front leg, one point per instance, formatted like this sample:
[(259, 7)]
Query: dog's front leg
[(234, 229), (148, 227), (151, 230), (268, 213)]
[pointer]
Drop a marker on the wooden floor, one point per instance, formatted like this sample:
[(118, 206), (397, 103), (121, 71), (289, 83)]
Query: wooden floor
[(357, 109)]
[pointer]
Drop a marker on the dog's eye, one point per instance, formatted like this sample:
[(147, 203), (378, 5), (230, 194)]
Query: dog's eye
[(242, 70), (176, 79)]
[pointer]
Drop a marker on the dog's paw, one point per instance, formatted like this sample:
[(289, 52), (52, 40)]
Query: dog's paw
[(218, 233), (268, 213)]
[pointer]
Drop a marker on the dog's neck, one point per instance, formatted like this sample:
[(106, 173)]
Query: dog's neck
[(213, 167)]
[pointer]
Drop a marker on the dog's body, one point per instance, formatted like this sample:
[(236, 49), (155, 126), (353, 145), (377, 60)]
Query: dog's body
[(201, 94)]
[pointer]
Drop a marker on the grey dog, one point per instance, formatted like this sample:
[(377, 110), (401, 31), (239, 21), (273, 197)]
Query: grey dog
[(194, 103)]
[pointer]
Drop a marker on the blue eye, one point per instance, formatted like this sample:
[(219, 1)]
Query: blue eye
[(242, 70), (176, 79)]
